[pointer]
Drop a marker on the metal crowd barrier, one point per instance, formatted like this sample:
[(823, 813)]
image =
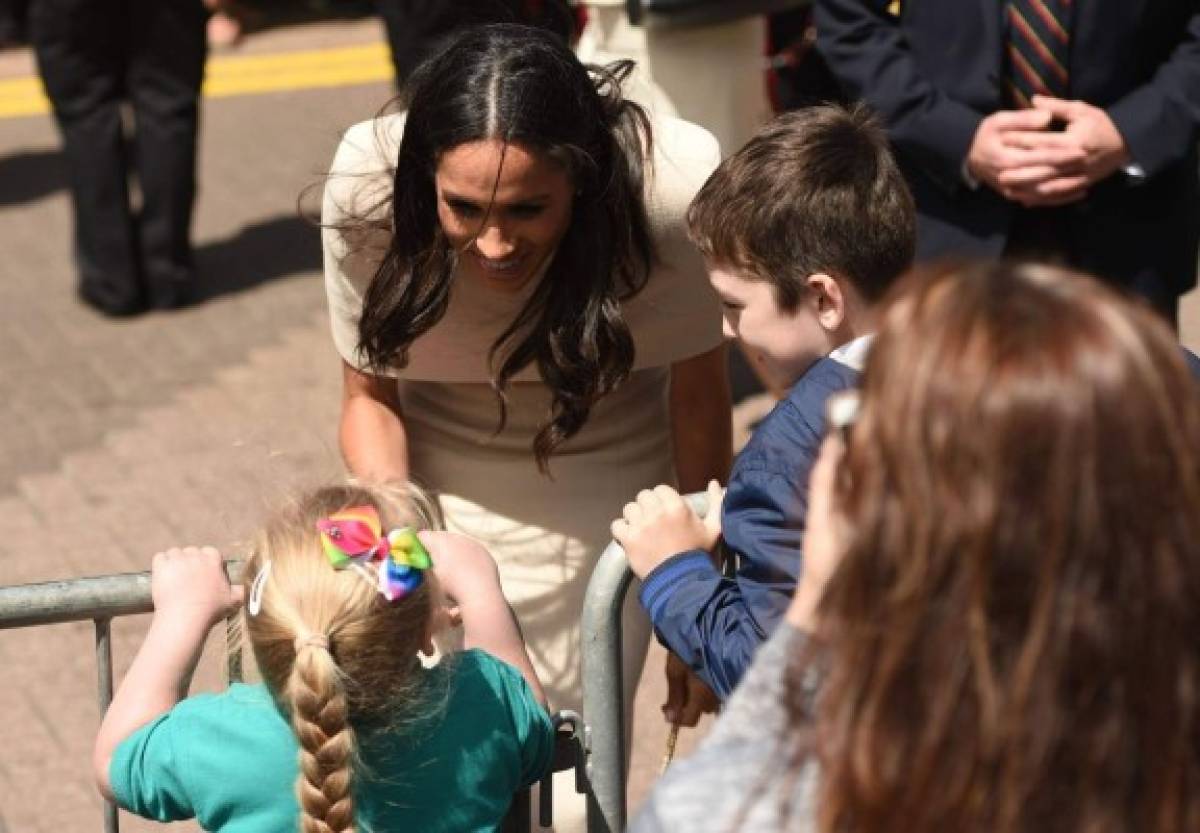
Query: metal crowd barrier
[(595, 749), (603, 686), (101, 599)]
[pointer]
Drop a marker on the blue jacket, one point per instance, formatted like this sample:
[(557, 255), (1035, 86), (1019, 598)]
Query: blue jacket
[(715, 623)]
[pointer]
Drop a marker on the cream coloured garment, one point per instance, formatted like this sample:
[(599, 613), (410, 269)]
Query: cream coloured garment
[(545, 532), (710, 75)]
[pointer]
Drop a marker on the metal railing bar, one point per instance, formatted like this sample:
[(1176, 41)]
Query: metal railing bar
[(604, 703), (104, 692), (53, 602), (604, 706), (233, 649), (101, 599), (74, 600)]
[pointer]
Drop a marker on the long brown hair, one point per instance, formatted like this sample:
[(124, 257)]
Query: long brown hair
[(332, 652), (1012, 637), (524, 86)]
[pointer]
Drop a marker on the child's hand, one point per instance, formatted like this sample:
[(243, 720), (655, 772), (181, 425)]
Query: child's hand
[(189, 584), (469, 576), (462, 565), (191, 593), (712, 518), (660, 524)]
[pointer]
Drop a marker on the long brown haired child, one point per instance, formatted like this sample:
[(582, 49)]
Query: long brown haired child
[(997, 629)]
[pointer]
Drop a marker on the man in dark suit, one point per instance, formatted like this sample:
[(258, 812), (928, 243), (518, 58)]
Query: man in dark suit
[(418, 28), (96, 57), (1061, 129)]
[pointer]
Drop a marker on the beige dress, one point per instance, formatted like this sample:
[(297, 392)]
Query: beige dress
[(710, 75), (545, 533)]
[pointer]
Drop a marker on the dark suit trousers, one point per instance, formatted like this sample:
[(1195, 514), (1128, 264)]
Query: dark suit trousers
[(1052, 235), (416, 29), (95, 56)]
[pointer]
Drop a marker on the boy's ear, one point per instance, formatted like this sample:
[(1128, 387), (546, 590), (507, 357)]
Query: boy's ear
[(828, 299)]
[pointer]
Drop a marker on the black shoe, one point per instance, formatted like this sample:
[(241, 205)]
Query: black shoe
[(172, 295), (106, 304)]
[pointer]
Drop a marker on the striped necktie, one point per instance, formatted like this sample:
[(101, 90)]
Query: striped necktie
[(1039, 41)]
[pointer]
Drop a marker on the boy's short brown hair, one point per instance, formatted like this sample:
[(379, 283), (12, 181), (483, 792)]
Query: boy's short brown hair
[(815, 190)]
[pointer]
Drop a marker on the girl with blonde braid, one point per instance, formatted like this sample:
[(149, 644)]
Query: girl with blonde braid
[(348, 731)]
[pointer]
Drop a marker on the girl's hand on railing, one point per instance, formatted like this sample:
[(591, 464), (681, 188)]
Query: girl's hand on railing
[(189, 586), (191, 593)]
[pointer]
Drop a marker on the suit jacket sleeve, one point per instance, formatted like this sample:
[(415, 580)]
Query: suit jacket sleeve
[(867, 51), (1159, 120)]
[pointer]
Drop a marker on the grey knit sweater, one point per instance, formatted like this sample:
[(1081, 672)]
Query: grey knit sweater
[(736, 778)]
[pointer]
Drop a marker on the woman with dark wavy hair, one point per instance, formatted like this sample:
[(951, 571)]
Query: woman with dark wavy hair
[(525, 329), (998, 625)]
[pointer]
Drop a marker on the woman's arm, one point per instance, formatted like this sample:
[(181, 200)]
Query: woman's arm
[(701, 419), (191, 593), (374, 443), (468, 575)]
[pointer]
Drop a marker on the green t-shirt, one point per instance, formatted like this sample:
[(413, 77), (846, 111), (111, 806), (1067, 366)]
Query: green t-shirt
[(230, 759)]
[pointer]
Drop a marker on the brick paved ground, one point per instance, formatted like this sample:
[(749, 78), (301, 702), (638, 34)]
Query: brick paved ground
[(123, 437)]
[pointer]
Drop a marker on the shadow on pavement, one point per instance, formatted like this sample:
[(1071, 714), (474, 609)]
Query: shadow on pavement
[(30, 175), (259, 253)]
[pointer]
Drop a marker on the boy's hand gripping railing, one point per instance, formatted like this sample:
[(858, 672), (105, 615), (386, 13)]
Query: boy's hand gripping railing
[(100, 599), (603, 686)]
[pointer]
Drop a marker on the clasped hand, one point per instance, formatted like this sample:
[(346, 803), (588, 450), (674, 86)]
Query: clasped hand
[(1016, 153)]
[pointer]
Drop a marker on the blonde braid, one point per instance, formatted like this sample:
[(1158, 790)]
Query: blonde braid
[(327, 744), (329, 650)]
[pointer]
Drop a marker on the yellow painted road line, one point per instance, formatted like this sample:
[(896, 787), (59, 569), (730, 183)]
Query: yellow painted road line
[(244, 75)]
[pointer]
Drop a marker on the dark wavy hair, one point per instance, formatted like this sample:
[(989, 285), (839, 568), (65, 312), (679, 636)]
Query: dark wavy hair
[(524, 86), (1012, 635)]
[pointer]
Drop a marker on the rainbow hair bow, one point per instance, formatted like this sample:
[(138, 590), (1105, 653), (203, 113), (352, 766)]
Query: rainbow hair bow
[(354, 538)]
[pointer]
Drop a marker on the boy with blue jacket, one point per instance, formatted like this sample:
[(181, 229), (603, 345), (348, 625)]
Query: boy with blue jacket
[(803, 230)]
